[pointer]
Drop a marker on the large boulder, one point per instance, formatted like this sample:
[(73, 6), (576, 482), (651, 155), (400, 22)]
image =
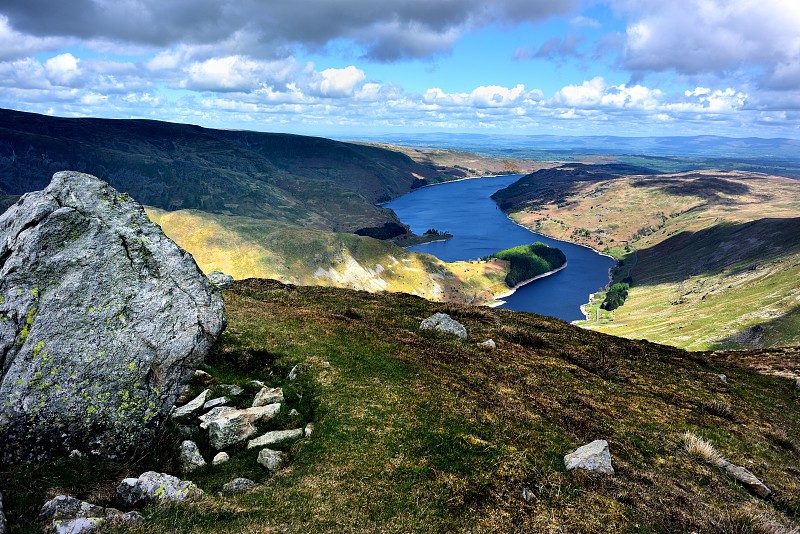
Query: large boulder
[(103, 320), (444, 323)]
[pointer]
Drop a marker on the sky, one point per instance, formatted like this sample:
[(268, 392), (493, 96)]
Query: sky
[(362, 67)]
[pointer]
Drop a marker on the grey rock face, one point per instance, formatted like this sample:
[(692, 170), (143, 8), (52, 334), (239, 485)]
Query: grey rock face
[(213, 403), (268, 396), (444, 323), (103, 319), (220, 279), (237, 425), (152, 487), (190, 456), (276, 436), (237, 486), (594, 457), (272, 460)]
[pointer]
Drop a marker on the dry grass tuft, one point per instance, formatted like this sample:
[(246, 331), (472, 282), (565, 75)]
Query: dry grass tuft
[(700, 448), (719, 408)]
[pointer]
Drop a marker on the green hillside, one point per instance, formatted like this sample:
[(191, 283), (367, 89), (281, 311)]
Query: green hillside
[(417, 431)]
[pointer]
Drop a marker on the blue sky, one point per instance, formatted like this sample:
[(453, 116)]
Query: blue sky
[(356, 67)]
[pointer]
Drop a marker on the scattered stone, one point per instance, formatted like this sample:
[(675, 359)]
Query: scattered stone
[(192, 407), (213, 413), (488, 344), (219, 401), (75, 453), (268, 396), (272, 460), (237, 425), (220, 279), (294, 413), (220, 458), (293, 373), (152, 487), (73, 516), (274, 437), (102, 308), (723, 379), (308, 430), (203, 377), (527, 494), (257, 383), (190, 456), (594, 457), (237, 486), (748, 479), (444, 323), (230, 389)]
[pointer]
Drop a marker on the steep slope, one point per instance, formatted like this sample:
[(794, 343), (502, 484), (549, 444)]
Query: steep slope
[(417, 431), (714, 257)]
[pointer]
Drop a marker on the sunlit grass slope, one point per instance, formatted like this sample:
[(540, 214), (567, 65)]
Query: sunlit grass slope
[(418, 431), (714, 256)]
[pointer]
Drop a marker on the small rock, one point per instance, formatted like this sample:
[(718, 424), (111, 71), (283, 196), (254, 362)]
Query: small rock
[(237, 425), (220, 458), (213, 413), (272, 460), (723, 379), (488, 344), (66, 507), (444, 323), (308, 430), (220, 279), (274, 437), (293, 373), (203, 377), (75, 453), (230, 389), (594, 457), (190, 456), (219, 401), (152, 487), (294, 413), (268, 396), (257, 383), (78, 525), (237, 486), (191, 407), (527, 495), (748, 479)]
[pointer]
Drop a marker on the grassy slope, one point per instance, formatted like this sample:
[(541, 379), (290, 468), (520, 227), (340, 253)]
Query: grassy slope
[(245, 247), (419, 431), (718, 253)]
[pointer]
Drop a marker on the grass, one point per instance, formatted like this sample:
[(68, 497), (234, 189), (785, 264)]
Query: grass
[(529, 261), (417, 431)]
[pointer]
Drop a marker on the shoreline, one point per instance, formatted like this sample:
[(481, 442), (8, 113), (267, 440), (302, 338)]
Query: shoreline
[(450, 182), (497, 299)]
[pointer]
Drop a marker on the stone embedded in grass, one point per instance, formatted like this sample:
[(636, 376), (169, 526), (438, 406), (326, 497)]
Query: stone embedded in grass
[(294, 413), (747, 478), (220, 458), (308, 430), (152, 487), (238, 485), (193, 406), (723, 379), (66, 507), (202, 377), (237, 425), (593, 457), (219, 401), (275, 437), (293, 373), (488, 344), (190, 457), (444, 323), (272, 460), (213, 413), (220, 279), (268, 395)]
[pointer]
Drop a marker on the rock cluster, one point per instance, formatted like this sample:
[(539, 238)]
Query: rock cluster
[(103, 320), (68, 515), (444, 323)]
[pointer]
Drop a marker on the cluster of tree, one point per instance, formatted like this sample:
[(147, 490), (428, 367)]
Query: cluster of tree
[(434, 231), (387, 231), (529, 261), (615, 296)]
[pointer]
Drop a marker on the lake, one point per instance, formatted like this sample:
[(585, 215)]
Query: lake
[(480, 228)]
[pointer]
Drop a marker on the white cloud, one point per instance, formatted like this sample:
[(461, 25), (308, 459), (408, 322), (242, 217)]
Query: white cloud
[(337, 83), (236, 73), (62, 69), (17, 45)]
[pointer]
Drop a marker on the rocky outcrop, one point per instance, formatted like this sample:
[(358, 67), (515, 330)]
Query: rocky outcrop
[(103, 320), (68, 515), (593, 457), (444, 323), (152, 487)]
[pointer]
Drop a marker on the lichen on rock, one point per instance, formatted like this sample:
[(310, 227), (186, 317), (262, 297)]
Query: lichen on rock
[(106, 320)]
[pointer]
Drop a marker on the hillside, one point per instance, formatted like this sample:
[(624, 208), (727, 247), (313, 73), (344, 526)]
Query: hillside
[(419, 431), (714, 256)]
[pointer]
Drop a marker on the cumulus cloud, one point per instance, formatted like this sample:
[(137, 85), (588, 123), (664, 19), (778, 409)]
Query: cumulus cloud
[(408, 28), (14, 44), (337, 83), (62, 69), (715, 36), (236, 73)]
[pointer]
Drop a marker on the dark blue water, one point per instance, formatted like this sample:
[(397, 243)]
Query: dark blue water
[(479, 228)]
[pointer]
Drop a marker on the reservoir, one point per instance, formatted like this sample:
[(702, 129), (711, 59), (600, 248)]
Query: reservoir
[(480, 228)]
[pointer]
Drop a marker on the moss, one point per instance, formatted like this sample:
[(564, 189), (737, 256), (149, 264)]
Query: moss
[(37, 349), (28, 323)]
